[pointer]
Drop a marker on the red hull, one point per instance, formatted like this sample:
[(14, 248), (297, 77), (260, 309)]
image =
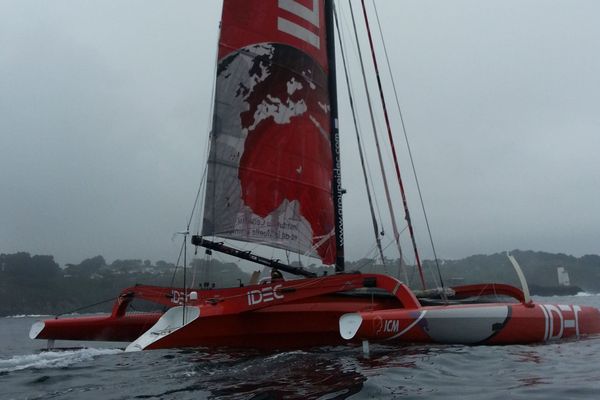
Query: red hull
[(495, 323), (109, 328), (300, 325), (319, 311)]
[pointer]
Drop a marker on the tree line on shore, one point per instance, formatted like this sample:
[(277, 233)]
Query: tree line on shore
[(36, 284)]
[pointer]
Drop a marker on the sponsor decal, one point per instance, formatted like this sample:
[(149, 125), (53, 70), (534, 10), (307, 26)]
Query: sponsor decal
[(178, 296), (558, 318), (264, 295), (385, 326), (291, 28), (391, 325)]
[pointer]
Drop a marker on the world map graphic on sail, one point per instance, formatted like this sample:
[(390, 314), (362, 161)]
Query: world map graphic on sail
[(270, 164)]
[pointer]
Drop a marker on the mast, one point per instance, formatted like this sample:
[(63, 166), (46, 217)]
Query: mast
[(335, 144)]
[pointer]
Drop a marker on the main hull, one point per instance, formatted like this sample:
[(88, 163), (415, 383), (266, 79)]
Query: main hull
[(324, 311)]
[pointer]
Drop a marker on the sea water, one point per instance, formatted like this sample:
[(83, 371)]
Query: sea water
[(558, 370)]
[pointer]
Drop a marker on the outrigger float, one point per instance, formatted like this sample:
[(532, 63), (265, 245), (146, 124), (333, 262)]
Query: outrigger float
[(274, 179)]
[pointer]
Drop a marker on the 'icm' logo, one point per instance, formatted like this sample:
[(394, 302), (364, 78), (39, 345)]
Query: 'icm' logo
[(264, 295), (391, 325), (387, 326)]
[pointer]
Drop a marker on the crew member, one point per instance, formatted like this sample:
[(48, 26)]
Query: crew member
[(276, 275)]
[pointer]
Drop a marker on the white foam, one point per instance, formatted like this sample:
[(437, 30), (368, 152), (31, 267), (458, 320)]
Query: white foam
[(285, 354), (53, 359), (27, 316), (585, 294)]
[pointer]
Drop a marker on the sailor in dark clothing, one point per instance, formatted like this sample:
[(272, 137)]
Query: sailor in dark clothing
[(276, 275)]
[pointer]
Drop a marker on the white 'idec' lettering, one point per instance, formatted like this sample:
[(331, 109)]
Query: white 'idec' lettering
[(264, 295)]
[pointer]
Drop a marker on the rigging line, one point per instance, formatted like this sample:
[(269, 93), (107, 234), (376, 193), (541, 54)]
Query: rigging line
[(435, 278), (368, 259), (377, 207), (200, 186), (360, 147), (206, 151), (208, 129), (359, 132), (194, 267), (393, 148), (176, 266), (210, 145), (184, 276), (373, 125), (401, 264), (344, 18), (84, 307), (410, 156)]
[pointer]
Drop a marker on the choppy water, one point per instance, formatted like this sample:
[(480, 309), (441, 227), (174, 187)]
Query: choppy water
[(564, 370)]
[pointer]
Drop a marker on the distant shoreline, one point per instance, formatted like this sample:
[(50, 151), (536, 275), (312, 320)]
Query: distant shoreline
[(37, 285)]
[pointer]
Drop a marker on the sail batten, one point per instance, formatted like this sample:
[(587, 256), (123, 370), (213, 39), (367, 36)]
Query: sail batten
[(270, 167)]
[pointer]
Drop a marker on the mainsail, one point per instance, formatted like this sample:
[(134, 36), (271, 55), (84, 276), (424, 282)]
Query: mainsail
[(270, 161)]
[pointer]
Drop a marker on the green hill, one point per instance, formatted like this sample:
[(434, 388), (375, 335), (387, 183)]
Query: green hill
[(38, 285)]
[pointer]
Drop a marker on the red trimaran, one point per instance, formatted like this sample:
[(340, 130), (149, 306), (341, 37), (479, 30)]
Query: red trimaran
[(274, 178)]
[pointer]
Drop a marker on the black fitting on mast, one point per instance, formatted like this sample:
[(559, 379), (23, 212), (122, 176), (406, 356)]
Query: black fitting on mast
[(334, 137), (246, 255)]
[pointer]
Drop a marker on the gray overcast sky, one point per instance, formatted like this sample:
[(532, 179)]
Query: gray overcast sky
[(104, 112)]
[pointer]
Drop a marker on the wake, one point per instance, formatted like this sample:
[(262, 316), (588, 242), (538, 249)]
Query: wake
[(53, 359)]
